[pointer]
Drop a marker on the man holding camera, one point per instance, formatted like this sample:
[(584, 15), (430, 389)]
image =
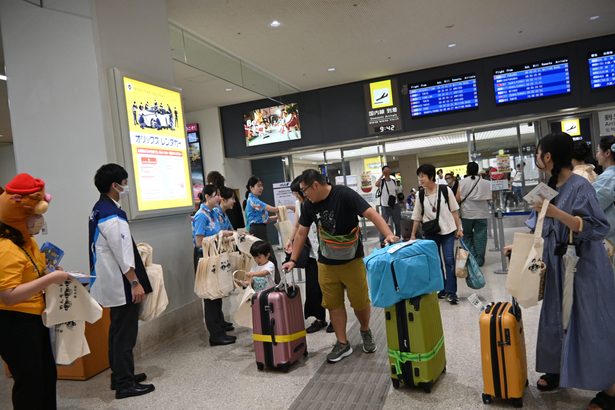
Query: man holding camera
[(388, 192)]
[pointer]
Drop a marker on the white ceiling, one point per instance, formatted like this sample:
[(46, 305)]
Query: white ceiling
[(364, 39)]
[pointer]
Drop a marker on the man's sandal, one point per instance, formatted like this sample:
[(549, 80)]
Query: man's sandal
[(552, 380), (604, 401)]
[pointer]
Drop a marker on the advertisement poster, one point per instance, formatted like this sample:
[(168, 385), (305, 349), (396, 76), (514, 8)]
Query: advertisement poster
[(158, 146), (283, 196), (382, 107), (503, 163), (196, 160)]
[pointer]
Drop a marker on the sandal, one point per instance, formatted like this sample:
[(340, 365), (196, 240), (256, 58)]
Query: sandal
[(552, 380), (604, 401)]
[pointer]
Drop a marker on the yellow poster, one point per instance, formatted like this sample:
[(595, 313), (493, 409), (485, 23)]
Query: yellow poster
[(455, 169), (381, 93), (158, 145)]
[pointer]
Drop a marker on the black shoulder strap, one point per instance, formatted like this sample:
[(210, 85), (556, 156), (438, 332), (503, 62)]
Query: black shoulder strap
[(444, 192), (422, 200)]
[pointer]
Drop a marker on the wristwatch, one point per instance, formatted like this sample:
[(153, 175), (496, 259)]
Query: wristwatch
[(134, 283)]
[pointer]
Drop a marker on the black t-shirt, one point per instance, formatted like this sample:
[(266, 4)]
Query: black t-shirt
[(337, 214)]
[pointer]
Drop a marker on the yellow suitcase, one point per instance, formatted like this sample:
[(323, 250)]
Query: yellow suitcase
[(502, 344)]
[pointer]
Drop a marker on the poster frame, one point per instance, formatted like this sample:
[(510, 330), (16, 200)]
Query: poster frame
[(123, 151)]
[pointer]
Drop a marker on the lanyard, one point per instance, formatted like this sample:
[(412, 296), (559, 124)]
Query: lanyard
[(38, 272)]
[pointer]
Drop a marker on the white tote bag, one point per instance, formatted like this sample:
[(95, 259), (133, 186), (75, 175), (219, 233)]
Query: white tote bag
[(284, 225), (244, 241), (526, 272), (243, 314)]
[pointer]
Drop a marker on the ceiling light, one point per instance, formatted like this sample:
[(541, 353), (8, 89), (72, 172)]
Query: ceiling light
[(452, 45), (449, 26), (2, 77), (228, 89), (275, 24), (592, 18), (331, 69)]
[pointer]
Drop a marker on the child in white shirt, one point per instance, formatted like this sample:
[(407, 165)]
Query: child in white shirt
[(262, 273)]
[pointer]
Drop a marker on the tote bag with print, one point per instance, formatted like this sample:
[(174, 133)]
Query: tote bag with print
[(525, 280)]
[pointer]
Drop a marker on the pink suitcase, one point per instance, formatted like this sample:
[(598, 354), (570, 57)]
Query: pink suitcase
[(278, 327)]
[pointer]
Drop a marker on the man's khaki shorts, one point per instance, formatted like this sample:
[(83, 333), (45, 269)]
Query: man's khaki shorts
[(334, 279)]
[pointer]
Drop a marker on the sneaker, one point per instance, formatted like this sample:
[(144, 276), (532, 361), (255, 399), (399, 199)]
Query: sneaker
[(340, 350), (441, 294), (368, 341), (330, 328), (316, 326), (452, 299)]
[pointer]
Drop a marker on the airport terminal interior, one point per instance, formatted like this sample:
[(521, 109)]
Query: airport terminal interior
[(172, 90)]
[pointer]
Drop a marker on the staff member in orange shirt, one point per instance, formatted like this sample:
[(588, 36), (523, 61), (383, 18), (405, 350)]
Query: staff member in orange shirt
[(25, 344)]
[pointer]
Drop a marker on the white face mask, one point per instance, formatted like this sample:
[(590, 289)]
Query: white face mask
[(124, 192), (35, 223)]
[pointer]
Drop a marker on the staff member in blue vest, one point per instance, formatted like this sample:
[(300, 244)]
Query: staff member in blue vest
[(257, 215), (209, 221)]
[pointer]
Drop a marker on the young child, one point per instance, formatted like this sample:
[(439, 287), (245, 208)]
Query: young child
[(261, 274)]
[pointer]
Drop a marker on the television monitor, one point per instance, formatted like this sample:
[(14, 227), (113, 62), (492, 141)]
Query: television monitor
[(444, 95), (601, 69), (279, 123), (531, 81)]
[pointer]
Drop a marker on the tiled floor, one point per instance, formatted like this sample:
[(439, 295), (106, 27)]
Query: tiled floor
[(189, 374)]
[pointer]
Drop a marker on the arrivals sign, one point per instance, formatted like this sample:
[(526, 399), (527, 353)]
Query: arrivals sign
[(607, 122), (382, 107)]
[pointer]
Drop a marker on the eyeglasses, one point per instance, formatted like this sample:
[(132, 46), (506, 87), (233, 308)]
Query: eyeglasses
[(304, 190)]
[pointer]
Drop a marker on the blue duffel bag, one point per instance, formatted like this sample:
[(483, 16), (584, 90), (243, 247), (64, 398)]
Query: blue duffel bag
[(402, 271)]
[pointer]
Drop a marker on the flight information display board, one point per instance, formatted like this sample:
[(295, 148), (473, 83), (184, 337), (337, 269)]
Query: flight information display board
[(530, 81), (442, 96), (602, 69)]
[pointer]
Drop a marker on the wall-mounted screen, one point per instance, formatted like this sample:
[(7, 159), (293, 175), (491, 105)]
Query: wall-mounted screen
[(529, 81), (279, 123), (442, 96), (602, 69), (154, 147)]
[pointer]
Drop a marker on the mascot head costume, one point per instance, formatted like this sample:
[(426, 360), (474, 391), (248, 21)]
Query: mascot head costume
[(23, 203)]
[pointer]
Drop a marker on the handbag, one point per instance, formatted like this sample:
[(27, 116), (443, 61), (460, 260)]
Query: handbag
[(525, 280), (392, 199), (243, 314), (475, 278), (244, 241), (461, 261), (214, 275), (339, 247), (284, 226), (431, 228)]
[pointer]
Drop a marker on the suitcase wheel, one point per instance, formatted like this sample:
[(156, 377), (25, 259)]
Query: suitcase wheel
[(395, 383), (260, 366), (285, 367), (487, 399), (444, 370), (305, 354), (426, 387), (517, 403)]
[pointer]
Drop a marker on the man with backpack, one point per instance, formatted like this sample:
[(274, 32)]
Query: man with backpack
[(438, 212)]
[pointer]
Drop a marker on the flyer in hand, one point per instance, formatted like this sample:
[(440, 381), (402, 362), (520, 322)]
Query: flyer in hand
[(53, 256), (541, 192)]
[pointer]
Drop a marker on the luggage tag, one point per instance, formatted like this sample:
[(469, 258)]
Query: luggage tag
[(399, 245)]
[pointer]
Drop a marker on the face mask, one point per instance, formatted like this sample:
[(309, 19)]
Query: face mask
[(124, 192), (35, 223)]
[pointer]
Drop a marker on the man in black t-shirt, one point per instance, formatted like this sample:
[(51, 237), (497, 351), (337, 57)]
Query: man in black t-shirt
[(335, 211)]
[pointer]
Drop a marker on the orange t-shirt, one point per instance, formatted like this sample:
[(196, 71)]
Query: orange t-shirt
[(16, 269)]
